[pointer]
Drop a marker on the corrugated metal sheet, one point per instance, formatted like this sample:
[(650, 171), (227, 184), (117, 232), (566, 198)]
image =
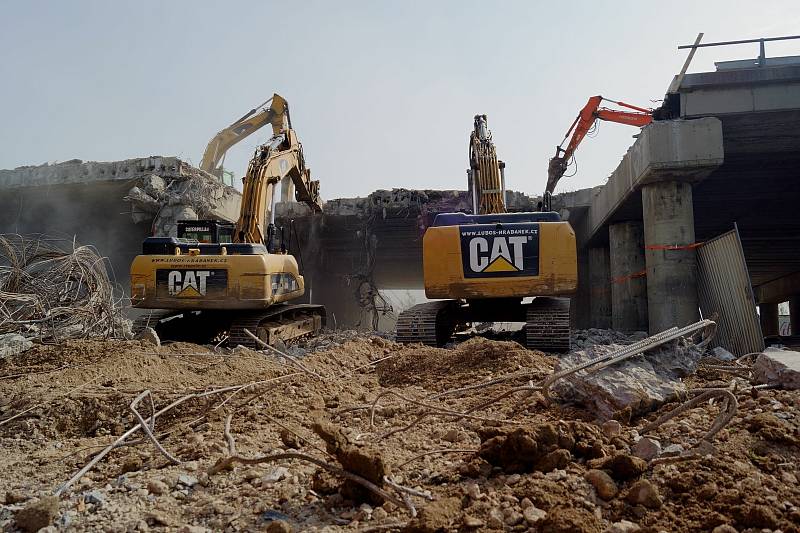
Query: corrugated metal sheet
[(724, 287)]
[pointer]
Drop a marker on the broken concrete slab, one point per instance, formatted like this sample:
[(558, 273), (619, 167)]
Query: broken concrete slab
[(635, 386), (13, 344), (111, 205), (778, 367)]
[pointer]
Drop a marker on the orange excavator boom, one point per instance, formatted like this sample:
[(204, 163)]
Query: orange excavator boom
[(639, 116)]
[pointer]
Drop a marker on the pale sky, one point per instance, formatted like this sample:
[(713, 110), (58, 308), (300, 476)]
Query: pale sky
[(382, 93)]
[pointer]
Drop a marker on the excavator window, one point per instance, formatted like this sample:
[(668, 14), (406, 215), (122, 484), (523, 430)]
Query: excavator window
[(206, 231)]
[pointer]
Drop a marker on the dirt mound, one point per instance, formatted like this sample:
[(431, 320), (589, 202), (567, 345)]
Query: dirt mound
[(476, 357), (512, 463), (541, 447)]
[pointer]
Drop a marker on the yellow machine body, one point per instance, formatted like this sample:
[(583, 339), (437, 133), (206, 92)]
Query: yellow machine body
[(476, 261), (197, 282)]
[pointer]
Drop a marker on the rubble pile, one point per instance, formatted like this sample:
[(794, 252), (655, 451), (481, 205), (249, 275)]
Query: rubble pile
[(188, 194), (53, 290), (631, 387), (368, 434)]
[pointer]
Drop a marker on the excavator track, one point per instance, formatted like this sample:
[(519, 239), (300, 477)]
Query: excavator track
[(547, 325), (431, 323), (149, 319), (284, 322)]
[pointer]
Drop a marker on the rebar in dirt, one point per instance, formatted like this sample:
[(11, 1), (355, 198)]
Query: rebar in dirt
[(52, 290)]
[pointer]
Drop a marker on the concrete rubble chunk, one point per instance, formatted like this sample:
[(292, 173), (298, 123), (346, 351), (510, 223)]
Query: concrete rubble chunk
[(12, 344), (149, 336), (646, 448), (778, 367), (639, 384), (722, 354)]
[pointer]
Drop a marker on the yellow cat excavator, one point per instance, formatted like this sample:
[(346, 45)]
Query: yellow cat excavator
[(214, 280), (484, 265)]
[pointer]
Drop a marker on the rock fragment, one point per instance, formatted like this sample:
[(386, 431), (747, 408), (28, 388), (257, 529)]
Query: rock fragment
[(533, 515), (37, 514), (646, 448), (643, 492), (602, 483)]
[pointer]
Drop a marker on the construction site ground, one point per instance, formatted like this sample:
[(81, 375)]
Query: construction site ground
[(73, 400)]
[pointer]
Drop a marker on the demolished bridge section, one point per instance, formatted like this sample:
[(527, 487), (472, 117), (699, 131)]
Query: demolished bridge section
[(111, 205)]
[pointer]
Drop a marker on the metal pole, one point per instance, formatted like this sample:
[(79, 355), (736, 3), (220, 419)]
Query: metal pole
[(743, 41)]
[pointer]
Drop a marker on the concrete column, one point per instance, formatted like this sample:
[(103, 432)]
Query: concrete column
[(794, 314), (768, 315), (600, 288), (628, 284), (671, 273)]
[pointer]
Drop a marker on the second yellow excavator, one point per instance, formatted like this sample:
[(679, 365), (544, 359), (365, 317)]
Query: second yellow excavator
[(485, 265), (240, 280)]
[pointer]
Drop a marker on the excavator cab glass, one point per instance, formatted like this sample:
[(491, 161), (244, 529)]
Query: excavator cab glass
[(206, 231)]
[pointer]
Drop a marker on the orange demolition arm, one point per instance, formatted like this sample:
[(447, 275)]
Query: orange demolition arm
[(581, 126)]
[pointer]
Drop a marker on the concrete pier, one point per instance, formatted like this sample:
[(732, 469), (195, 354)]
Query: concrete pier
[(671, 259), (768, 315), (794, 314), (600, 283), (628, 283)]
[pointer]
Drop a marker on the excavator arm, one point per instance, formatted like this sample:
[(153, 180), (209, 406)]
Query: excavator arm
[(281, 157), (277, 114), (580, 127), (486, 172)]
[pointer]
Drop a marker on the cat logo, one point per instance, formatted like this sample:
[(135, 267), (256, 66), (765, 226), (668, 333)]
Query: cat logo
[(192, 283), (497, 251), (188, 283), (505, 256)]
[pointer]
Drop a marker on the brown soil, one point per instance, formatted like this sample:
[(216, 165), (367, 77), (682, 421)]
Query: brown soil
[(74, 398)]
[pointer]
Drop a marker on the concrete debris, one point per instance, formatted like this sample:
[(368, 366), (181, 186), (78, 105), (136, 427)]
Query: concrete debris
[(635, 386), (149, 336), (646, 448), (623, 526), (190, 195), (778, 367), (583, 338), (722, 354), (12, 344)]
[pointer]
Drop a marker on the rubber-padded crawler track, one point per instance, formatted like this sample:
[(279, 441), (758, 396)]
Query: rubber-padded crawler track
[(547, 324), (429, 323)]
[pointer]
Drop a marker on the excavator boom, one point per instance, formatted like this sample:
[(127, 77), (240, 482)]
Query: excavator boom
[(638, 116), (277, 114)]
